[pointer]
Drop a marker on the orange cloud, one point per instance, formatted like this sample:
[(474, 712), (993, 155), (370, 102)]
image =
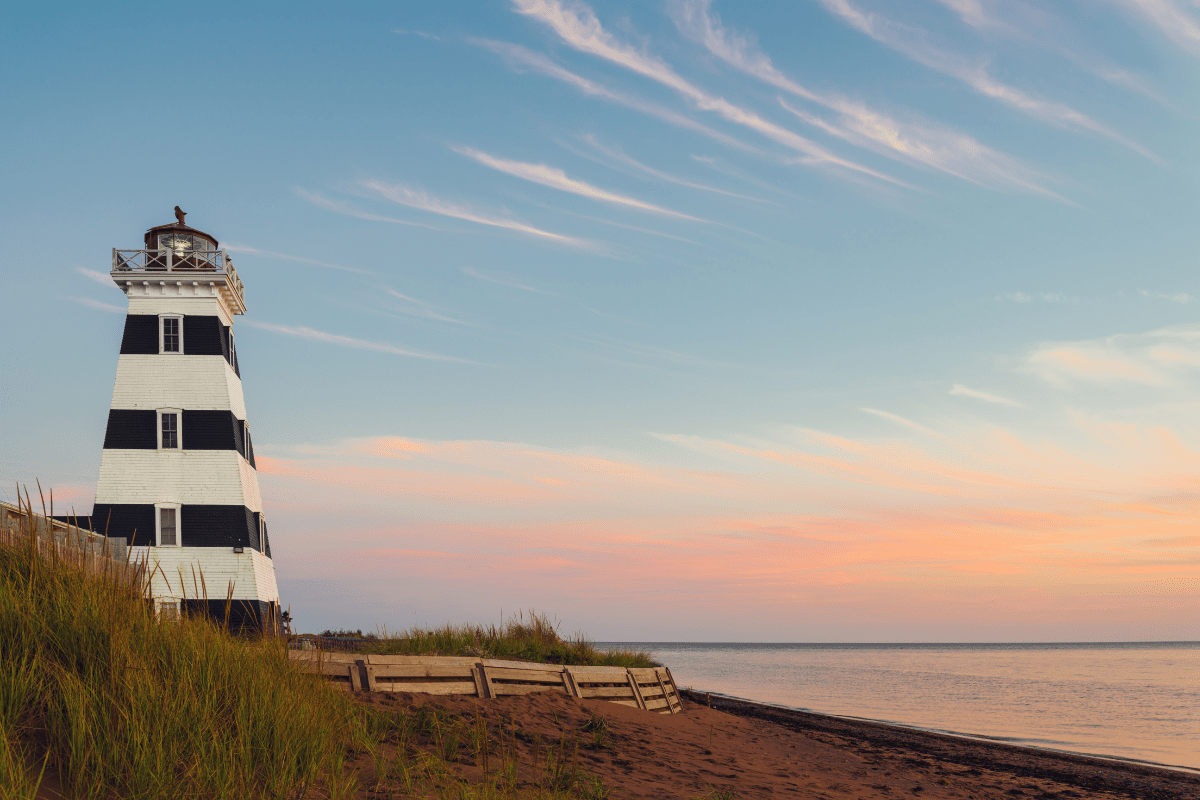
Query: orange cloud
[(1094, 365)]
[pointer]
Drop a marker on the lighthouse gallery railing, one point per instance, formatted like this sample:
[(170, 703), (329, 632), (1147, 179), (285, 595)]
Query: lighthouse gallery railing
[(159, 262)]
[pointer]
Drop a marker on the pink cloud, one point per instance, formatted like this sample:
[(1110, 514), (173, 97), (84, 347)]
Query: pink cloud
[(927, 527), (1094, 365)]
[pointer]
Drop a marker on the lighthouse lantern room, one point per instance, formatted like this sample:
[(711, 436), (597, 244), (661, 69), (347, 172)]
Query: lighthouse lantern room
[(177, 474)]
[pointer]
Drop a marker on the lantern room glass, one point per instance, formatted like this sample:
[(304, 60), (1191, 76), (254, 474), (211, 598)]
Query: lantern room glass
[(183, 244)]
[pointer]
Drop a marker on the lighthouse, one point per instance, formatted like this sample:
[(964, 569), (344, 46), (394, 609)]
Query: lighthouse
[(177, 475)]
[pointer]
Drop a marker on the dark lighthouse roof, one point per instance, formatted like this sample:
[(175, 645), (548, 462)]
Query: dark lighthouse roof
[(157, 238)]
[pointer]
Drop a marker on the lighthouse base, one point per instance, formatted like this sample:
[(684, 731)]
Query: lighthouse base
[(205, 580), (244, 616)]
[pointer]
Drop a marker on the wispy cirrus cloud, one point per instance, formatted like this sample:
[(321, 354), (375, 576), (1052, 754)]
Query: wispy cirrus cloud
[(973, 13), (1093, 363), (913, 43), (725, 169), (1178, 25), (238, 248), (99, 306), (1150, 359), (899, 420), (422, 34), (917, 141), (924, 143), (509, 283), (416, 198), (520, 58), (557, 179), (102, 278), (341, 207), (623, 158), (419, 308), (989, 19), (626, 225), (959, 389), (302, 332), (579, 27)]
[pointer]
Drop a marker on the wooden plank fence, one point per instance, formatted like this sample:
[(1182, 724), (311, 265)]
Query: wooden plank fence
[(651, 688), (62, 541)]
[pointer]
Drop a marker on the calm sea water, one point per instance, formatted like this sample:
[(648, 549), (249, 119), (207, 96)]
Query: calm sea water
[(1139, 700)]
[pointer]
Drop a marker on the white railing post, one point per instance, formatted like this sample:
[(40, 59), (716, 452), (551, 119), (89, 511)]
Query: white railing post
[(170, 253)]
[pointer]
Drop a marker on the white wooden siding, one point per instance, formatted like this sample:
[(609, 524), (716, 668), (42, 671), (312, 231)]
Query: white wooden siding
[(191, 477), (252, 573), (199, 383), (197, 306)]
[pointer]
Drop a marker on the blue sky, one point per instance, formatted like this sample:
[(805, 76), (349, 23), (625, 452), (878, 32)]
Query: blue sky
[(776, 312)]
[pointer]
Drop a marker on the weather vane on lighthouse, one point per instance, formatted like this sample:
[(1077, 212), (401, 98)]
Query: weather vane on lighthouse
[(177, 476)]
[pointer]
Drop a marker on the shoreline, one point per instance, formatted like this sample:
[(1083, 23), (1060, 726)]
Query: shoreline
[(742, 749), (1093, 772), (697, 696)]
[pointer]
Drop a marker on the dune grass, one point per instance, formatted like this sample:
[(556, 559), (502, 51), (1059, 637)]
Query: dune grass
[(115, 702), (530, 636), (106, 699)]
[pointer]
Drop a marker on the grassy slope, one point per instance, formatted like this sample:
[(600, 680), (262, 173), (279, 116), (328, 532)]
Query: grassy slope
[(116, 703), (111, 702)]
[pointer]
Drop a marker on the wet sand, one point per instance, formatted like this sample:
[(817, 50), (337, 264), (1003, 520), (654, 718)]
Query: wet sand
[(759, 751)]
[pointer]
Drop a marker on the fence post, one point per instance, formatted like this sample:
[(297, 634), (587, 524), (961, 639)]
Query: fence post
[(637, 690)]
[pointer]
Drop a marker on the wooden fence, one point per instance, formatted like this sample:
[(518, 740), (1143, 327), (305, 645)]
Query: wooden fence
[(62, 541), (651, 688)]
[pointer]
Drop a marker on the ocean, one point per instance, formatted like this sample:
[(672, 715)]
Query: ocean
[(1134, 700)]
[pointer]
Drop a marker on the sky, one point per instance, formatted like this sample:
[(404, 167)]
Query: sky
[(816, 321)]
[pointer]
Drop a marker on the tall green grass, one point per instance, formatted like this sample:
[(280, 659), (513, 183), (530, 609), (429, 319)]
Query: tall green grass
[(113, 701), (530, 636), (119, 703)]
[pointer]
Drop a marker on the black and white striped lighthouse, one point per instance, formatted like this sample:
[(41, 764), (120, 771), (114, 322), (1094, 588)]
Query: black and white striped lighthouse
[(177, 476)]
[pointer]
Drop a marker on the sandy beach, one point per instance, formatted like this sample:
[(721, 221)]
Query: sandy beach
[(761, 751)]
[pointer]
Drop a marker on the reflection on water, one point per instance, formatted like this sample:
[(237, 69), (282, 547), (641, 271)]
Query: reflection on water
[(1139, 700)]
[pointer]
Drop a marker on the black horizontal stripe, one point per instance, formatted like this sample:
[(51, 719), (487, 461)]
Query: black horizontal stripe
[(244, 615), (131, 429), (199, 525), (202, 336), (141, 335), (125, 521), (211, 430), (137, 429)]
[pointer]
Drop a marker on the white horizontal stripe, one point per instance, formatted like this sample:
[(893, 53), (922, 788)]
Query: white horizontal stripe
[(201, 383), (252, 573), (198, 306), (200, 477)]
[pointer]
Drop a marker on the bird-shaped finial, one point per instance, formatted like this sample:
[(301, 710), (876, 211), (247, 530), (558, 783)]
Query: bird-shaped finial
[(180, 214)]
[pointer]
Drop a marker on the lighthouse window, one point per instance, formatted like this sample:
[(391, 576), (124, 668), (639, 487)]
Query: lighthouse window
[(171, 336), (170, 431), (168, 428), (168, 525)]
